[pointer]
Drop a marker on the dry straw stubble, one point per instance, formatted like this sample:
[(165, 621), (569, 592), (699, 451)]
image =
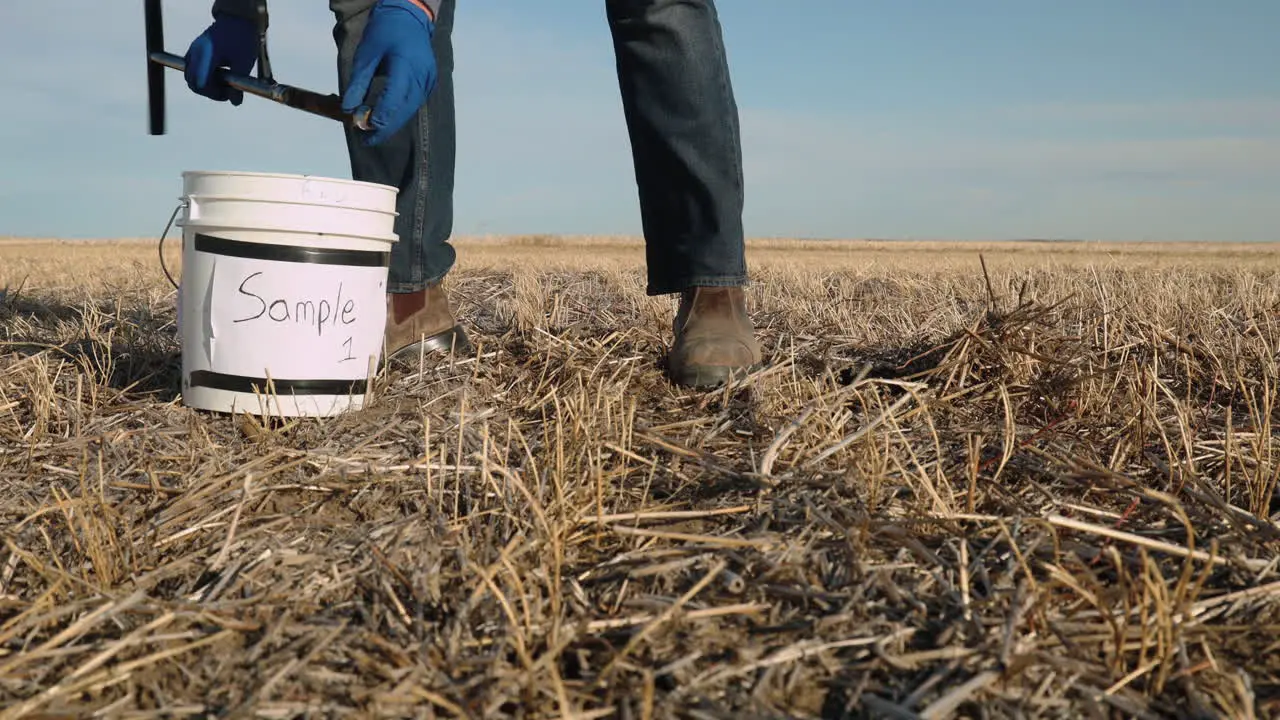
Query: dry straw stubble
[(1046, 491)]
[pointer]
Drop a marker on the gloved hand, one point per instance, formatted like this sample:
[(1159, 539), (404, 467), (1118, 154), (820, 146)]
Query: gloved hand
[(397, 39), (230, 42)]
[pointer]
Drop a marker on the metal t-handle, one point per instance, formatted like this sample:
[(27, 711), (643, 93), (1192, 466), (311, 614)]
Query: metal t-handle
[(263, 86), (264, 60)]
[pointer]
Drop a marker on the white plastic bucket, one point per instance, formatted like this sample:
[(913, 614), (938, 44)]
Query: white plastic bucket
[(282, 299)]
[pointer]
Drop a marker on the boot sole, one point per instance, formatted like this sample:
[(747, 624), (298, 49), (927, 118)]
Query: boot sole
[(709, 376), (454, 339)]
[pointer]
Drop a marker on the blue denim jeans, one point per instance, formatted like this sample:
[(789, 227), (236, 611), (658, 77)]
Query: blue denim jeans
[(681, 118)]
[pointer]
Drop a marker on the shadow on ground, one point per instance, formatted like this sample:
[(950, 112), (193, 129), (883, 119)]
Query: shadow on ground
[(129, 347)]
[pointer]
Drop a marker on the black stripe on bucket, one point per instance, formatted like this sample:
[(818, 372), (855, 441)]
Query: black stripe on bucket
[(280, 387), (291, 253)]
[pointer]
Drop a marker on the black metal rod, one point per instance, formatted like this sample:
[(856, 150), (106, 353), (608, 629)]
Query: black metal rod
[(253, 86), (155, 73), (264, 59), (328, 106)]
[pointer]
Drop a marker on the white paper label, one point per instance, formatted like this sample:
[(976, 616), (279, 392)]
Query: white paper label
[(296, 320)]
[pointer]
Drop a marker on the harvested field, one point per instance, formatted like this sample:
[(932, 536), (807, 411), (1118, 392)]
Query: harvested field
[(1045, 491)]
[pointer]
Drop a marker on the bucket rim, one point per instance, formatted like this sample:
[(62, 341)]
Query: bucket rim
[(290, 176), (199, 197)]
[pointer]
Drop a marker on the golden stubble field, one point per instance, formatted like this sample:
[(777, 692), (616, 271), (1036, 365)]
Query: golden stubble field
[(1046, 491)]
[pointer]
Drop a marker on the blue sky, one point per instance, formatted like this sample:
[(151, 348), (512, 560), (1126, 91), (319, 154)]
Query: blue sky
[(1102, 119)]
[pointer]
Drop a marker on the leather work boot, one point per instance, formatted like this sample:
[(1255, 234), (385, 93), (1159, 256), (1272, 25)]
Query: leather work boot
[(714, 337), (422, 320)]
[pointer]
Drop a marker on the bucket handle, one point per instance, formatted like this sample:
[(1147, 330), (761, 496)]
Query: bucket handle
[(160, 248)]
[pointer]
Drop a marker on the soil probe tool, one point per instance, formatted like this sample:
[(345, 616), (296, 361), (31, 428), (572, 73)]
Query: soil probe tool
[(263, 86)]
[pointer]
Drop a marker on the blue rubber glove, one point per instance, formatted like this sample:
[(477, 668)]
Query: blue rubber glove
[(230, 42), (397, 39)]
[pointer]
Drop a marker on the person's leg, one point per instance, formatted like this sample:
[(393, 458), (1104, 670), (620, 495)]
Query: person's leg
[(682, 120), (419, 160)]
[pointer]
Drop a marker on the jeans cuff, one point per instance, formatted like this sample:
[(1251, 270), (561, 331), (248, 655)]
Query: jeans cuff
[(412, 286), (668, 287)]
